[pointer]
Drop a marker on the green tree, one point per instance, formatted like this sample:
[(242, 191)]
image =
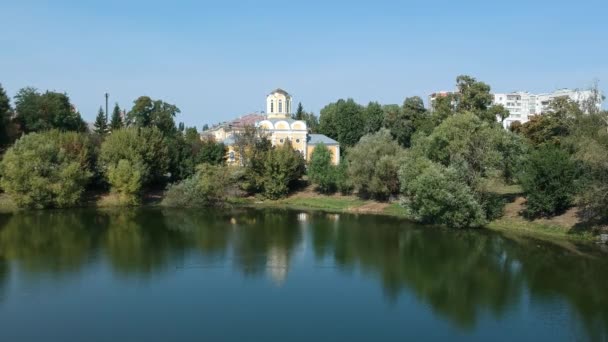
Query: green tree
[(343, 121), (403, 122), (5, 119), (208, 187), (299, 115), (373, 165), (101, 123), (205, 127), (116, 121), (473, 95), (548, 180), (435, 194), (144, 148), (40, 112), (373, 116), (47, 169), (282, 167), (153, 113), (125, 180), (321, 172), (312, 122)]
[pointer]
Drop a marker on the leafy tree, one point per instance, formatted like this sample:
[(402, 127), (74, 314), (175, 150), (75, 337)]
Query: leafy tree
[(443, 108), (6, 134), (473, 95), (40, 112), (495, 113), (374, 116), (373, 165), (191, 151), (283, 166), (435, 194), (48, 169), (544, 129), (403, 122), (299, 115), (144, 148), (343, 121), (548, 180), (205, 127), (344, 183), (101, 123), (181, 127), (321, 172), (116, 121), (153, 113), (125, 179)]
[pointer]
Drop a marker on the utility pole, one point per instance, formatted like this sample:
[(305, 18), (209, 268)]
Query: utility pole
[(107, 95)]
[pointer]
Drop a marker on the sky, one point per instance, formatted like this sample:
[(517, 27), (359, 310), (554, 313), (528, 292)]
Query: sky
[(217, 60)]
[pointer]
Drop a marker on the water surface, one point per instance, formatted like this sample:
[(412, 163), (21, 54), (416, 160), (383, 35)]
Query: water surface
[(247, 275)]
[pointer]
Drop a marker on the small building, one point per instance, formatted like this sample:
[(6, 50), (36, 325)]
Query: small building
[(280, 128)]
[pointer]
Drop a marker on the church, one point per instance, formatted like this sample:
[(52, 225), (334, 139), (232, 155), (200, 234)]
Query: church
[(280, 127)]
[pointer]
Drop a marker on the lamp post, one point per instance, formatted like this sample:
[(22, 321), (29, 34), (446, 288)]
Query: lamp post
[(107, 95)]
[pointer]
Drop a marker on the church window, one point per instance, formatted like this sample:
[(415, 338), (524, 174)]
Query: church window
[(281, 141), (272, 106), (297, 140), (280, 106)]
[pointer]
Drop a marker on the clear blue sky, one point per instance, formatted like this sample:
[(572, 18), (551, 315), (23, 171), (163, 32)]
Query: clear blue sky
[(217, 60)]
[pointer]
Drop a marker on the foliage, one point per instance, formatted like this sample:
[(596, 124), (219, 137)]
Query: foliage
[(373, 115), (344, 121), (344, 183), (125, 179), (435, 194), (299, 115), (48, 169), (40, 112), (373, 165), (548, 180), (206, 188), (403, 122), (153, 113), (473, 95), (321, 172), (281, 168), (116, 120), (144, 148), (101, 123), (188, 151), (7, 133)]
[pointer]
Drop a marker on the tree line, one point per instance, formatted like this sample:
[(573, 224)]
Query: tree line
[(439, 164)]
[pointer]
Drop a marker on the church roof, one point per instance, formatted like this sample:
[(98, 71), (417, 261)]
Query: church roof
[(315, 139), (280, 91)]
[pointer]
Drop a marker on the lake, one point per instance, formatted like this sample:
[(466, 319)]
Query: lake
[(277, 275)]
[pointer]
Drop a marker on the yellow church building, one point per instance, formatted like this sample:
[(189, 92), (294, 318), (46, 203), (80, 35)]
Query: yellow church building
[(280, 127)]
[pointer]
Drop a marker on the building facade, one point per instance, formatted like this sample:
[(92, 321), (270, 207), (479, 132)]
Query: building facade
[(523, 105), (280, 128)]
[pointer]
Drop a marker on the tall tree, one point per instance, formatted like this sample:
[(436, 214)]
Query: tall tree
[(39, 112), (116, 121), (473, 95), (5, 117), (374, 116), (343, 121), (101, 123), (153, 113), (299, 115), (403, 122)]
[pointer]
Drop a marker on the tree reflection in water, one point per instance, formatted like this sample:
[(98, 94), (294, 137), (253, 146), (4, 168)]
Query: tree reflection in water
[(460, 274)]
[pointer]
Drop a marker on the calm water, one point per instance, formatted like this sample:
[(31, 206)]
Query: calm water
[(169, 275)]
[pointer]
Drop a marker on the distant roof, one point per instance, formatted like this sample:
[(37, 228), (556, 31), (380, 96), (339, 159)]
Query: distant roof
[(280, 91), (314, 139)]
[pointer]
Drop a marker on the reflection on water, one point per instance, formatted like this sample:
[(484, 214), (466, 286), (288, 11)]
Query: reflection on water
[(467, 279)]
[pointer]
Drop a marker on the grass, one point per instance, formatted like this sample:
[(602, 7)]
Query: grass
[(537, 229), (394, 209), (318, 202)]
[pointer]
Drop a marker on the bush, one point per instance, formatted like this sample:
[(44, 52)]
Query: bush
[(144, 148), (282, 167), (373, 165), (548, 180), (435, 194), (206, 188), (125, 180), (320, 170), (343, 182), (49, 169)]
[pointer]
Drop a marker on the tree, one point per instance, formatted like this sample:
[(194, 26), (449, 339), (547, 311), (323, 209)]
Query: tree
[(373, 164), (548, 180), (299, 115), (6, 135), (473, 95), (282, 167), (153, 113), (47, 169), (404, 122), (144, 148), (125, 180), (205, 127), (116, 121), (101, 123), (321, 172), (312, 122), (495, 113), (208, 187), (343, 121), (40, 112), (435, 194), (373, 116)]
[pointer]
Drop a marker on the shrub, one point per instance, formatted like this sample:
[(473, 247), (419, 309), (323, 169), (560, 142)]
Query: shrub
[(373, 165), (548, 179), (343, 182), (206, 188), (434, 194), (320, 170), (49, 169), (282, 167), (125, 180)]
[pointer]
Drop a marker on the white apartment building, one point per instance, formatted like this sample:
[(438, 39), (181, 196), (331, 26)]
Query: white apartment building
[(523, 105)]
